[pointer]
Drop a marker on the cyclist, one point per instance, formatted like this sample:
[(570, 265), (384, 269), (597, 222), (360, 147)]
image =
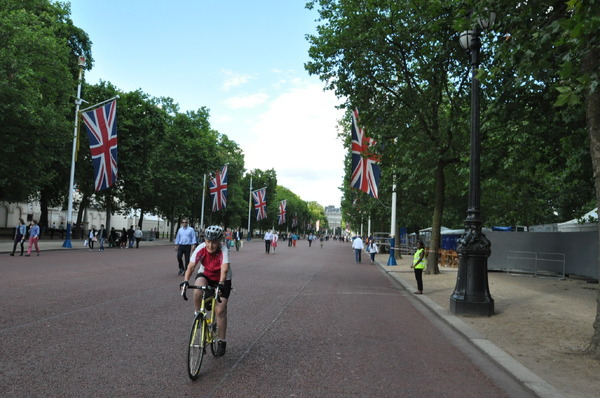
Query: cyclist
[(214, 271)]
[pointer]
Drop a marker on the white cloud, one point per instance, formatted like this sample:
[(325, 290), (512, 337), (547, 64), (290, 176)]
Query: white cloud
[(246, 101), (297, 136), (233, 79)]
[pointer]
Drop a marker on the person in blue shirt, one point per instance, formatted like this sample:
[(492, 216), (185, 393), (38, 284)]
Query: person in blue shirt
[(34, 237), (185, 242), (20, 232)]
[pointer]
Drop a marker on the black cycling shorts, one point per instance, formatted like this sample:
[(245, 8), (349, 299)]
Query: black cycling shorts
[(225, 292)]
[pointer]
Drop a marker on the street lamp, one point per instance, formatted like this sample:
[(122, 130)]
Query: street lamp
[(471, 294)]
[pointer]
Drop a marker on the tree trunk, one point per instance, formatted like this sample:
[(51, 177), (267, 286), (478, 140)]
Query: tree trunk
[(141, 220), (108, 212), (591, 63), (172, 226), (79, 225), (436, 224), (43, 221)]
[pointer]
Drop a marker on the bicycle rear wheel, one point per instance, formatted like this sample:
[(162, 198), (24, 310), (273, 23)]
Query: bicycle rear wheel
[(196, 348)]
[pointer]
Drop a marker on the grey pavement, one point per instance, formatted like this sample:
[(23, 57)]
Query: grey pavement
[(402, 275)]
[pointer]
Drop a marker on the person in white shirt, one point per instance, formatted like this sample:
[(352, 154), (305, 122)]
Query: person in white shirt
[(372, 250), (268, 238), (357, 245)]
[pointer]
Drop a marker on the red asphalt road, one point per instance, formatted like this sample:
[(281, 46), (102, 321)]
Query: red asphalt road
[(305, 322)]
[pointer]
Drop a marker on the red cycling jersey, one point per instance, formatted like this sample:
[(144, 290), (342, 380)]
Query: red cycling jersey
[(210, 263)]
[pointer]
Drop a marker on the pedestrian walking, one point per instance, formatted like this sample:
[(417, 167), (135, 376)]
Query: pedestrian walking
[(268, 238), (123, 239), (138, 237), (131, 236), (238, 239), (357, 246), (274, 240), (372, 250), (92, 238), (34, 237), (20, 233), (185, 242), (419, 260), (102, 234)]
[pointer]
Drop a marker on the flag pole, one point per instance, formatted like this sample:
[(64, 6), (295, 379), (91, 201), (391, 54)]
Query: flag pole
[(100, 104), (392, 259), (67, 242), (203, 196), (249, 237)]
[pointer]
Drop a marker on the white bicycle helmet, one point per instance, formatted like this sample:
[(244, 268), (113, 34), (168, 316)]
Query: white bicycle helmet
[(214, 232)]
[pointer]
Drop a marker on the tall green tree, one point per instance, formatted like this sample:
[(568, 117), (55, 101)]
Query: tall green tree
[(553, 47), (39, 46), (394, 61)]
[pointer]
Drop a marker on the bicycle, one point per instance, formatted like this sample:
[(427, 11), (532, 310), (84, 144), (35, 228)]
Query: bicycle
[(204, 329)]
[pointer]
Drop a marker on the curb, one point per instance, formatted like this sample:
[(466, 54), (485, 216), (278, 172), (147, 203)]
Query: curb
[(519, 372)]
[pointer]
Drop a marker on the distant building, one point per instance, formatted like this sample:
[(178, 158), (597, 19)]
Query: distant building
[(334, 217)]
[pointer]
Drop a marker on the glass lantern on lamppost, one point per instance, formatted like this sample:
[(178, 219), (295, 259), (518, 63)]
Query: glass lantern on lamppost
[(471, 294)]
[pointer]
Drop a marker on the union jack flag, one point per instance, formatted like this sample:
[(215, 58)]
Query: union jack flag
[(218, 189), (260, 203), (282, 212), (365, 171), (101, 126)]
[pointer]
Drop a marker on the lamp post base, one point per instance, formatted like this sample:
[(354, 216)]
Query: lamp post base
[(392, 259), (67, 243), (468, 307), (472, 293)]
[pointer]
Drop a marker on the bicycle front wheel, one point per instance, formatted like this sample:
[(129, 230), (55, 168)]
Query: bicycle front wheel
[(213, 337), (196, 348)]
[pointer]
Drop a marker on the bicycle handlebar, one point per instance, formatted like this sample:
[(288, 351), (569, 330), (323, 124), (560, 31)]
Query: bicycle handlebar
[(208, 288)]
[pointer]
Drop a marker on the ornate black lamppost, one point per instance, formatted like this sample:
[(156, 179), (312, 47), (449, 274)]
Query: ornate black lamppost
[(471, 294)]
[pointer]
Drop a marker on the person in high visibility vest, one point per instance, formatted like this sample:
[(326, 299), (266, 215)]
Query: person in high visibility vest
[(419, 262)]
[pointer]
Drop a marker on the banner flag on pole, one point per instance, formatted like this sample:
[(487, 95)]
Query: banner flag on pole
[(218, 189), (365, 170), (260, 203), (282, 211), (101, 126), (295, 222)]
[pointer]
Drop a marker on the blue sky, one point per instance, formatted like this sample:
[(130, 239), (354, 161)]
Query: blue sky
[(244, 60)]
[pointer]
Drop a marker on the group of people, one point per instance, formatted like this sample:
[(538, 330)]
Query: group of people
[(419, 258), (123, 240), (22, 233), (358, 246), (271, 238)]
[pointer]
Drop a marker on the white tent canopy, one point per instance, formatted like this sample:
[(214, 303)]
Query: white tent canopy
[(575, 226)]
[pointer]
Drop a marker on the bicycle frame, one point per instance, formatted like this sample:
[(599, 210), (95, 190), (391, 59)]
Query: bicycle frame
[(204, 329)]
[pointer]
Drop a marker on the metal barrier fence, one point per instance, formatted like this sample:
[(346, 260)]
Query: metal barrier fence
[(540, 265)]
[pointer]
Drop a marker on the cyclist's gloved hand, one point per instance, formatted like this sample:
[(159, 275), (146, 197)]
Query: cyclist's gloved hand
[(221, 286), (184, 285)]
